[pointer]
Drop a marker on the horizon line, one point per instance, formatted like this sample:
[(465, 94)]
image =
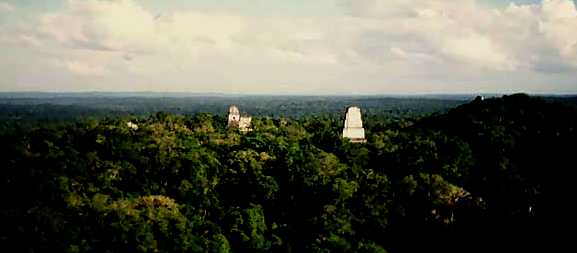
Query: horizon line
[(298, 94)]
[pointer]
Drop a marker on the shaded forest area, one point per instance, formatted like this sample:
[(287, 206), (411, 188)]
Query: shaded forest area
[(488, 175)]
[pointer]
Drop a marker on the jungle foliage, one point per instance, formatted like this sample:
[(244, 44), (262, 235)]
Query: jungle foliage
[(461, 181)]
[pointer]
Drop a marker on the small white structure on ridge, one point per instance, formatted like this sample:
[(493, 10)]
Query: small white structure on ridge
[(132, 125), (353, 129)]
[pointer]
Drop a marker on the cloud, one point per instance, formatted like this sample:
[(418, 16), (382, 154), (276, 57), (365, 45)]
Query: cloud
[(6, 7), (120, 25), (476, 49), (184, 38), (519, 36), (461, 32), (85, 69), (559, 27), (379, 43)]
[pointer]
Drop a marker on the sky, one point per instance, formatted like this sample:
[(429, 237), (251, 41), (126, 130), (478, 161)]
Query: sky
[(289, 47)]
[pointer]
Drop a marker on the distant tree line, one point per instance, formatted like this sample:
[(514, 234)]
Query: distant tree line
[(73, 107)]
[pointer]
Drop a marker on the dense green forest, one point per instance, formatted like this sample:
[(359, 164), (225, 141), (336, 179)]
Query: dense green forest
[(488, 175), (69, 106)]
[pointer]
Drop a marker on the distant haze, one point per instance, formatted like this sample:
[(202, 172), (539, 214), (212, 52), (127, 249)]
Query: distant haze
[(307, 47)]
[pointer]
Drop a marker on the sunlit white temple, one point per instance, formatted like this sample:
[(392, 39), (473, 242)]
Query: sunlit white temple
[(353, 129)]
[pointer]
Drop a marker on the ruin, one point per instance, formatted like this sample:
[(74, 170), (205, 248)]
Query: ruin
[(353, 128), (245, 124), (233, 116), (236, 120), (131, 125)]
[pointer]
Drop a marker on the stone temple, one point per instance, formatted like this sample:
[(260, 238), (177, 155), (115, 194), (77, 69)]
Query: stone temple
[(235, 120), (233, 116), (353, 129)]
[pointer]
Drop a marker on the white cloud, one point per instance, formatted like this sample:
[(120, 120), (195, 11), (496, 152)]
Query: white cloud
[(101, 25), (559, 26), (379, 43), (519, 36), (478, 50), (6, 7)]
